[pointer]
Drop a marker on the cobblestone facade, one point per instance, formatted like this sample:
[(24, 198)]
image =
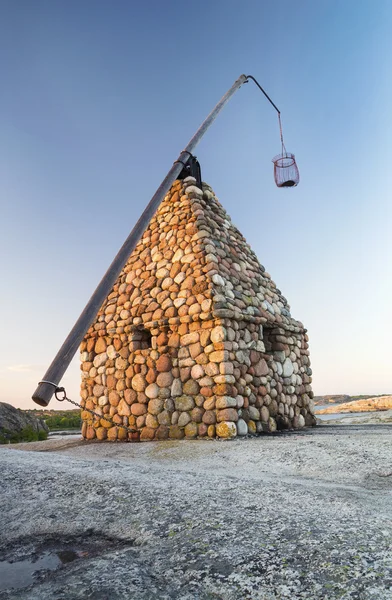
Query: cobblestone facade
[(194, 340)]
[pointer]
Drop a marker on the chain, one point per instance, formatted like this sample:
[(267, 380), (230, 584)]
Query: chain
[(61, 390)]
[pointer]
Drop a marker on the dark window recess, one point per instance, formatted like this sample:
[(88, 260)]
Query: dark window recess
[(268, 339), (145, 340), (141, 340)]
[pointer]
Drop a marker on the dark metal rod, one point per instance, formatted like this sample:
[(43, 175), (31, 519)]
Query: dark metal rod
[(264, 92), (60, 363)]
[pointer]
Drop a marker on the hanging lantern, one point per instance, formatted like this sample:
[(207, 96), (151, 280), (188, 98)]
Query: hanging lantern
[(285, 170)]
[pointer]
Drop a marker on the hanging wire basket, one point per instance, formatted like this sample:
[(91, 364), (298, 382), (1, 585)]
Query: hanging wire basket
[(285, 170)]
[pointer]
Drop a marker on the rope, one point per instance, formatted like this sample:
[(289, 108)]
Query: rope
[(284, 151)]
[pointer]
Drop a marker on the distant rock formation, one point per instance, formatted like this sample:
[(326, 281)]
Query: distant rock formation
[(337, 399), (14, 420), (367, 405), (343, 398)]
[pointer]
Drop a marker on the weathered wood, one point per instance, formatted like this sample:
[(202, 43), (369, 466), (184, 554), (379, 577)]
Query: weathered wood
[(60, 363)]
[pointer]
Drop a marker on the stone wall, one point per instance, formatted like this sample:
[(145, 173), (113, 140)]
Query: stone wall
[(195, 339)]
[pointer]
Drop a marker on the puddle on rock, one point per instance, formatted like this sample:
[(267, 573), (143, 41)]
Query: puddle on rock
[(37, 557), (20, 573)]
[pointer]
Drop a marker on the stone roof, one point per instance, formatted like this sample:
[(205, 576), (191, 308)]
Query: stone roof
[(192, 264)]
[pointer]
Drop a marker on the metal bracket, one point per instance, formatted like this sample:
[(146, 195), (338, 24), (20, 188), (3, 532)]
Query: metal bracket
[(191, 169)]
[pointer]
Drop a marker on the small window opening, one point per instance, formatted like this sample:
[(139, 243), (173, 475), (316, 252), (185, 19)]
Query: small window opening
[(141, 339), (268, 339), (146, 339)]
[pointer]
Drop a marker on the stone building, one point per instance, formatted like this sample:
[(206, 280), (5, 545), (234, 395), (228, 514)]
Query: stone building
[(194, 340)]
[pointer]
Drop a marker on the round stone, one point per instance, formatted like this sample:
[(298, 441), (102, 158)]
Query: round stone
[(209, 403), (112, 434), (176, 432), (100, 346), (191, 387), (209, 417), (155, 406), (90, 432), (121, 363), (178, 255), (202, 429), (190, 338), (254, 413), (184, 403), (261, 368), (101, 433), (218, 334), (152, 421), (152, 391), (129, 395), (191, 430), (176, 388), (162, 273), (179, 302), (218, 280), (139, 383), (264, 413), (301, 421), (271, 425), (164, 418), (123, 409), (227, 414), (114, 398), (103, 400), (122, 434), (162, 433), (226, 429), (225, 402), (147, 433), (111, 352), (98, 390), (100, 359), (288, 368), (252, 427), (151, 376), (242, 427), (138, 409), (197, 372), (184, 419), (165, 379), (197, 414), (163, 363), (166, 283)]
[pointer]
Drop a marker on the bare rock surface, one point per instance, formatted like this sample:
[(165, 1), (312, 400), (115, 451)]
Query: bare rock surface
[(15, 420), (297, 515)]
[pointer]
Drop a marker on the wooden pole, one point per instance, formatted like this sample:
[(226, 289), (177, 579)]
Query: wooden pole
[(60, 363)]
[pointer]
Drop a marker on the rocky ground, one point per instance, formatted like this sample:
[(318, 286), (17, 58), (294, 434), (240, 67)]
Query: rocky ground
[(297, 515)]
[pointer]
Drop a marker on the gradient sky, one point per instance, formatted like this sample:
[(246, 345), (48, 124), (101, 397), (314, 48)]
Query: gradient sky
[(97, 100)]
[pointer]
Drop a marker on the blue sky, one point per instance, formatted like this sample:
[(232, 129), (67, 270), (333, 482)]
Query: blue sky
[(97, 100)]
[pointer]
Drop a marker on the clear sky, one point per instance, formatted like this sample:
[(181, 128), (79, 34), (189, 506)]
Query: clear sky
[(97, 100)]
